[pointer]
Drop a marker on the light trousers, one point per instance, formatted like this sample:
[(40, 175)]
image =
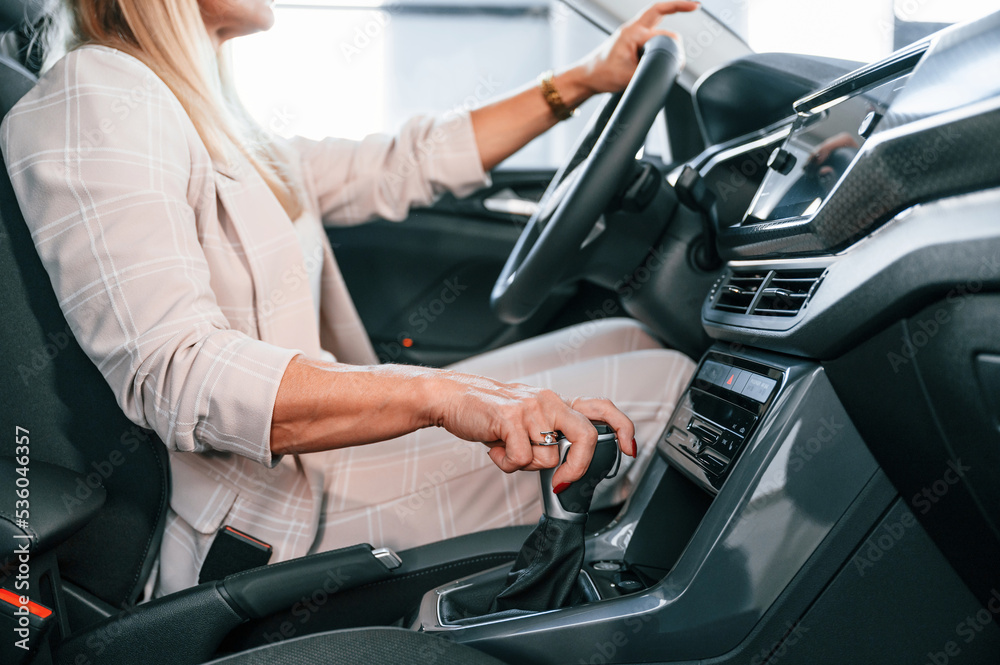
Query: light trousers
[(429, 485)]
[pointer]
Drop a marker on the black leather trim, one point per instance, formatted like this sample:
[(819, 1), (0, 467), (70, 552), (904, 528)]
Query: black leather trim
[(54, 512), (263, 591), (184, 628), (386, 601), (268, 589), (151, 548)]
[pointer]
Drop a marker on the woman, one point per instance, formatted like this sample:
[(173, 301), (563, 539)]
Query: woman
[(165, 222)]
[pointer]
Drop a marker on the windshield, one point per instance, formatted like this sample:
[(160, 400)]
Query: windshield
[(860, 30)]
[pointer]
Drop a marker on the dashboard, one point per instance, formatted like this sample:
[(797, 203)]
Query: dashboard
[(836, 234), (860, 233), (871, 144), (873, 196)]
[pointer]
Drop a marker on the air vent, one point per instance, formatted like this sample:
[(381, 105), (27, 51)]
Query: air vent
[(766, 292), (738, 291)]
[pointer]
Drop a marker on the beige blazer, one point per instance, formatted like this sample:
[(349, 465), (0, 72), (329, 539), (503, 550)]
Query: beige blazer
[(183, 280)]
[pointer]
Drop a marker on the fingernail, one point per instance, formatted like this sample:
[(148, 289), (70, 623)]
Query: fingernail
[(635, 448), (561, 487)]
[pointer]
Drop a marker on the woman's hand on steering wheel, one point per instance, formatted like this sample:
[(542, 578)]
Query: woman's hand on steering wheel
[(510, 417), (611, 66)]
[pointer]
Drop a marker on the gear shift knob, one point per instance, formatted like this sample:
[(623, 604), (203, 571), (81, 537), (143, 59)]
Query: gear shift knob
[(573, 503)]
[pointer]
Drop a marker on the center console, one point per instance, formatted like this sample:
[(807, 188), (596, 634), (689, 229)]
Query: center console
[(757, 465)]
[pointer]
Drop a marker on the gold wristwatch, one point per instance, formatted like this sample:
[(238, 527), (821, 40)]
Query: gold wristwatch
[(553, 98)]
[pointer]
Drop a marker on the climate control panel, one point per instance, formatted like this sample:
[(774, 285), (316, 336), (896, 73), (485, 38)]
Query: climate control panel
[(717, 415)]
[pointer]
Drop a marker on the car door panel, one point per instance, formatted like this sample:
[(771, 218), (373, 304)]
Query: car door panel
[(422, 286)]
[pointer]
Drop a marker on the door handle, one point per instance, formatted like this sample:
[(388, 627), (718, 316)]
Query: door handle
[(509, 203)]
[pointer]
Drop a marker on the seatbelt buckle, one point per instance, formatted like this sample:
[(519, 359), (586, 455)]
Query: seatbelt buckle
[(231, 552), (25, 624)]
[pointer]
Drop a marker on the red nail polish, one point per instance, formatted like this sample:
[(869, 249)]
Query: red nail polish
[(635, 448), (561, 487)]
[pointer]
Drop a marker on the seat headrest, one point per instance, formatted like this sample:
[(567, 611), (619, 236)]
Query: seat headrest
[(16, 12)]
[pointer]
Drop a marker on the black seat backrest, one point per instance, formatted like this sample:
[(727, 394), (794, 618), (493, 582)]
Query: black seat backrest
[(50, 387)]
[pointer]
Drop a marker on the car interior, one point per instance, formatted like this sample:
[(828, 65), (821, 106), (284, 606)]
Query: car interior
[(823, 240)]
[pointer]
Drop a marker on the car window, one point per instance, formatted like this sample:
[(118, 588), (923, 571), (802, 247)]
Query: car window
[(349, 69), (861, 30)]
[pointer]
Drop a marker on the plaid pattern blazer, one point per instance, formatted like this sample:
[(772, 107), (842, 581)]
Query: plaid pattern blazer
[(183, 280)]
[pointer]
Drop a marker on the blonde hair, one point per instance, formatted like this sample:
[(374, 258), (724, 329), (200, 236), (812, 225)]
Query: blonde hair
[(169, 36)]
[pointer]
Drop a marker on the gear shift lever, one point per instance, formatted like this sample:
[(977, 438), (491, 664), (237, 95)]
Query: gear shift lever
[(573, 503), (547, 568)]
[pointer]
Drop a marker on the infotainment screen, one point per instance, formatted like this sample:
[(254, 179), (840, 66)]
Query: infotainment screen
[(822, 144)]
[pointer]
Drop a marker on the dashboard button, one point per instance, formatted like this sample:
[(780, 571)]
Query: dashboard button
[(736, 379), (758, 388), (741, 381), (685, 440), (704, 434), (712, 463), (713, 372), (676, 436), (728, 444), (731, 378), (740, 421)]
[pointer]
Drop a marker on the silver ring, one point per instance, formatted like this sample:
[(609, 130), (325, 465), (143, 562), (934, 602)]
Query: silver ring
[(549, 437)]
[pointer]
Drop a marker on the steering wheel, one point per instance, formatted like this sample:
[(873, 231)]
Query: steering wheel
[(582, 189)]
